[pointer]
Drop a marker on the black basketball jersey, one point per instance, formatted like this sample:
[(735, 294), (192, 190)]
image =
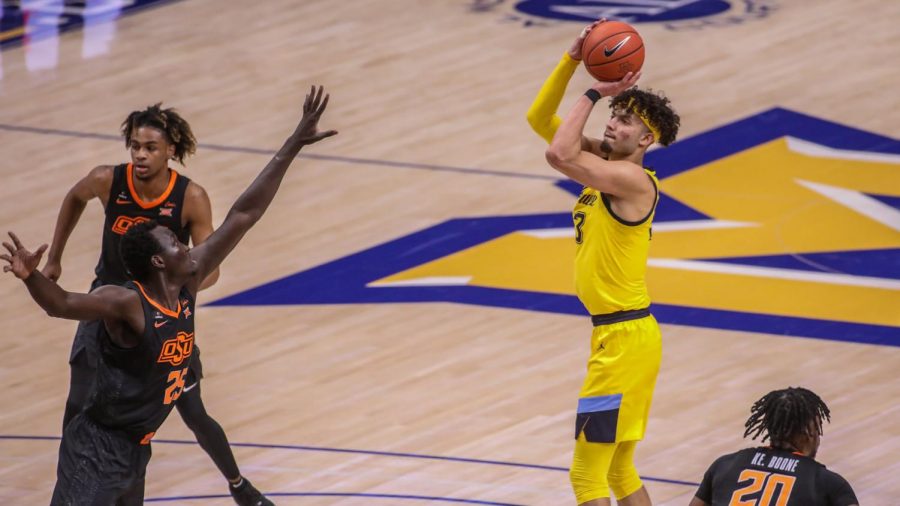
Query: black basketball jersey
[(136, 388), (772, 477), (124, 208)]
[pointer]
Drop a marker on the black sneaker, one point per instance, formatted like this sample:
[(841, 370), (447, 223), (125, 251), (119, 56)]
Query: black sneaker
[(247, 495)]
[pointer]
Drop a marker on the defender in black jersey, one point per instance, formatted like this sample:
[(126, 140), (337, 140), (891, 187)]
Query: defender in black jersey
[(145, 189), (146, 340), (108, 445), (784, 473)]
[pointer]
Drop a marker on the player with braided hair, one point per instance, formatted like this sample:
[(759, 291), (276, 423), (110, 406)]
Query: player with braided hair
[(781, 414), (143, 190), (785, 472), (177, 131)]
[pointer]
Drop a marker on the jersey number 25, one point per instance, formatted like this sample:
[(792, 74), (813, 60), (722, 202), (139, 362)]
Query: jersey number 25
[(176, 387)]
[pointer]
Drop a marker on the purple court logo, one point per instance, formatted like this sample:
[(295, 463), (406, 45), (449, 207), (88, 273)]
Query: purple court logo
[(673, 14)]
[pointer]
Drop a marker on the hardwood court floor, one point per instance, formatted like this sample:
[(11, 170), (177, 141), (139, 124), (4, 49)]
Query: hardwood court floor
[(330, 402)]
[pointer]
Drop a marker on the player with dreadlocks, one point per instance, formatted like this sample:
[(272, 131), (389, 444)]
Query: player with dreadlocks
[(612, 220), (143, 190), (784, 473)]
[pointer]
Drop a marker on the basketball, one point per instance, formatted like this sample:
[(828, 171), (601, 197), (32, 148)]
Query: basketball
[(611, 50)]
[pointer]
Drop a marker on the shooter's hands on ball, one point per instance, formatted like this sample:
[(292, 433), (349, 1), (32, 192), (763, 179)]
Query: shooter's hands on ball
[(613, 88), (575, 50), (21, 261)]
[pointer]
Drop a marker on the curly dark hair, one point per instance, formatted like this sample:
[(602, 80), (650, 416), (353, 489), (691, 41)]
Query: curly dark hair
[(137, 247), (169, 122), (656, 107), (781, 415)]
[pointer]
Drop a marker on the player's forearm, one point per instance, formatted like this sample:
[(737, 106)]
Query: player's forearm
[(542, 113), (566, 144), (69, 214), (245, 212), (257, 197), (48, 295)]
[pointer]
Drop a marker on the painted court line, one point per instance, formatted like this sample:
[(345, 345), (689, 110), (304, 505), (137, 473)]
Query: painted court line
[(775, 273), (269, 152), (659, 226), (426, 281), (821, 151), (337, 494), (369, 452), (859, 202)]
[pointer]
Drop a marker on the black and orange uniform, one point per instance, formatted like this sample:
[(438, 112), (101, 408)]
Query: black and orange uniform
[(123, 208), (773, 476), (105, 449)]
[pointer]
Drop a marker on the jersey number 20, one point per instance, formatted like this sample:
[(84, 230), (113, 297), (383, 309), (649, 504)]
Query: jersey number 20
[(769, 483)]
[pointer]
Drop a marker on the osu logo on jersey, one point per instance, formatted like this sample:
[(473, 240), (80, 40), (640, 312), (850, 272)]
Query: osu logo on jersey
[(177, 349), (123, 223)]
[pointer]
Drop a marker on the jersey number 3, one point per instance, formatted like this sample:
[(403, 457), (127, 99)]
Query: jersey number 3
[(579, 218), (176, 386), (769, 483)]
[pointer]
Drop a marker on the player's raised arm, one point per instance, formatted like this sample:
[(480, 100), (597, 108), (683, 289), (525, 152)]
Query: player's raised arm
[(567, 154), (198, 210), (251, 205), (542, 116), (108, 302)]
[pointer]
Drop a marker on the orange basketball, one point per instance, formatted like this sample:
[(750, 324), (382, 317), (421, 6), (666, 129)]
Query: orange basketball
[(611, 50)]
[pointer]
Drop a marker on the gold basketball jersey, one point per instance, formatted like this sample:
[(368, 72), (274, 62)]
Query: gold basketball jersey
[(610, 254)]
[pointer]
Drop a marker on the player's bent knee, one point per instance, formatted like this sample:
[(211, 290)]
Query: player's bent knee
[(589, 470), (587, 484), (623, 476), (625, 482), (588, 488)]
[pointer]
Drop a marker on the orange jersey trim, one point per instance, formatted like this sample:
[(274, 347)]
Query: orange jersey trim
[(157, 305), (129, 175)]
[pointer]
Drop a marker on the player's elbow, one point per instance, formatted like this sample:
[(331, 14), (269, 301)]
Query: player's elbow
[(553, 157), (557, 157), (534, 120), (243, 218), (53, 311), (541, 125)]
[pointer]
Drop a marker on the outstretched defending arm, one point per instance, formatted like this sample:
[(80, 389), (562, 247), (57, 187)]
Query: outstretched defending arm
[(199, 216), (251, 205), (106, 302)]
